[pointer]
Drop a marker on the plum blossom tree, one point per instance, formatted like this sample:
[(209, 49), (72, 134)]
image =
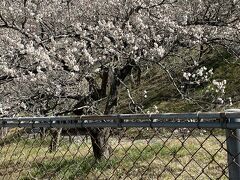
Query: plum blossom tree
[(72, 56)]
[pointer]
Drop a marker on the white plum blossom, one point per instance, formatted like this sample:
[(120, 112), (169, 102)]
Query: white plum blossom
[(60, 44), (8, 70), (156, 109), (39, 17), (58, 90), (76, 68), (145, 93), (1, 108), (220, 100), (230, 101), (219, 85), (200, 75), (200, 71), (23, 105), (139, 22), (106, 39), (187, 75), (195, 63), (88, 56), (29, 48), (160, 51)]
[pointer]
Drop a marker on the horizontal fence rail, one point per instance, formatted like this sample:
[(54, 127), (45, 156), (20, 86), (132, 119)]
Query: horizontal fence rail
[(218, 120), (121, 146)]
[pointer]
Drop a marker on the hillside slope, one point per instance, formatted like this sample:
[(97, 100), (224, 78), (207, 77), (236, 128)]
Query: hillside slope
[(156, 92)]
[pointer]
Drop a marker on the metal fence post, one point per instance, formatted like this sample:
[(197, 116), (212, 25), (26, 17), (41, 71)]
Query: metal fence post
[(233, 148)]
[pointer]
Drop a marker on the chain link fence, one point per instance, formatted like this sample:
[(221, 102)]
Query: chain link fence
[(157, 146)]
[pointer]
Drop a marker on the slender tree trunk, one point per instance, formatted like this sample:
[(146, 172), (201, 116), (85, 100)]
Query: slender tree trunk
[(71, 138), (3, 132), (42, 133), (55, 132)]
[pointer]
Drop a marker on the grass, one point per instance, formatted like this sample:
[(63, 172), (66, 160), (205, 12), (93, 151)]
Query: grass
[(163, 157)]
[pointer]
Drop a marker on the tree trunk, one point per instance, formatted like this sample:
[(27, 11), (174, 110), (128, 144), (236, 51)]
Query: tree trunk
[(55, 139), (99, 138), (3, 132), (42, 133)]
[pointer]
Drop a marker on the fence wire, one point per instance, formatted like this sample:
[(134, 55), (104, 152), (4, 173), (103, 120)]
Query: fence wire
[(133, 152)]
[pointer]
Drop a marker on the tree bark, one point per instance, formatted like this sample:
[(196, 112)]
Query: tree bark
[(99, 138), (55, 132), (3, 132), (42, 133)]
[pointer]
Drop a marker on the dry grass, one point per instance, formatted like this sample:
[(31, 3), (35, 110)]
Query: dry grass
[(155, 158)]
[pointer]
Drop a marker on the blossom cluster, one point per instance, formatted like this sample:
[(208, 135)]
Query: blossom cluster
[(200, 75), (220, 86)]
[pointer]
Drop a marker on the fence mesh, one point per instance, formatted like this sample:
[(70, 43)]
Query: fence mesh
[(134, 153)]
